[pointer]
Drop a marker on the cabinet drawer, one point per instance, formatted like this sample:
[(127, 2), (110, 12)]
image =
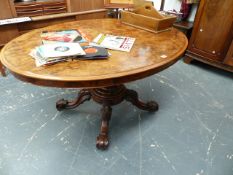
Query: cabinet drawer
[(55, 5), (30, 13), (28, 7), (49, 11)]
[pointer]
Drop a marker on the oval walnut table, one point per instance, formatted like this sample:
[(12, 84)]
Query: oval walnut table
[(102, 80)]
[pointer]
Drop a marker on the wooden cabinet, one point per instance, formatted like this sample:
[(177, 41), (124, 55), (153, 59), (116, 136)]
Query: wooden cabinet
[(211, 40), (10, 31)]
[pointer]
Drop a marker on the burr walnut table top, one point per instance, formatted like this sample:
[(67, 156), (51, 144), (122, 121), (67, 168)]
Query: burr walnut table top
[(150, 54)]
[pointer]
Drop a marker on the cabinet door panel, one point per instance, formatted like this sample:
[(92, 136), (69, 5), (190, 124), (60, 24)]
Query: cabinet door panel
[(7, 32), (214, 32), (83, 5), (5, 11)]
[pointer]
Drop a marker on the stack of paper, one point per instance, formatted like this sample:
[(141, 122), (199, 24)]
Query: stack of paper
[(57, 52)]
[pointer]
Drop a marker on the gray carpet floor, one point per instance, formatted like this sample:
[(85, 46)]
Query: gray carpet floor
[(191, 134)]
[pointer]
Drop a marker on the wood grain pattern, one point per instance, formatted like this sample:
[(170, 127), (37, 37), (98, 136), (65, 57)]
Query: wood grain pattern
[(83, 5), (150, 54), (96, 15)]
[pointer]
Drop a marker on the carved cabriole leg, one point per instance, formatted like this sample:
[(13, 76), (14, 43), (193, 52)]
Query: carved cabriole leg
[(83, 95), (102, 140), (132, 97), (187, 60), (108, 97), (2, 69)]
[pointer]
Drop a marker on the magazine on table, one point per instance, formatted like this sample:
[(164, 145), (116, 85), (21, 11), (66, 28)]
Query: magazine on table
[(62, 36), (121, 43)]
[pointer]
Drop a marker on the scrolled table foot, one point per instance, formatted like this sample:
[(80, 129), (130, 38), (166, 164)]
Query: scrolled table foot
[(152, 106), (102, 140), (84, 95), (132, 97), (61, 104)]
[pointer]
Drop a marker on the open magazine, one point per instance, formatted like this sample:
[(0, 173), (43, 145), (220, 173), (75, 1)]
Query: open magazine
[(113, 42)]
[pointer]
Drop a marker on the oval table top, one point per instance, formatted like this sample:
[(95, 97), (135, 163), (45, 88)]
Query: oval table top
[(151, 53)]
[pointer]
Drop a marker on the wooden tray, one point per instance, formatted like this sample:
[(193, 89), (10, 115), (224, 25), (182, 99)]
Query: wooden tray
[(148, 18)]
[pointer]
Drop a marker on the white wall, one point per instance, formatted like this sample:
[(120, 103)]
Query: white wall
[(175, 4), (193, 12)]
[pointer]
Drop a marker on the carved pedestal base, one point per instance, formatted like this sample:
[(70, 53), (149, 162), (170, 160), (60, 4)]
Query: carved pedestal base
[(107, 97)]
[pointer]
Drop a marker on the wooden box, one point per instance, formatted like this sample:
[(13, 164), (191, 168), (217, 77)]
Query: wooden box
[(148, 18)]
